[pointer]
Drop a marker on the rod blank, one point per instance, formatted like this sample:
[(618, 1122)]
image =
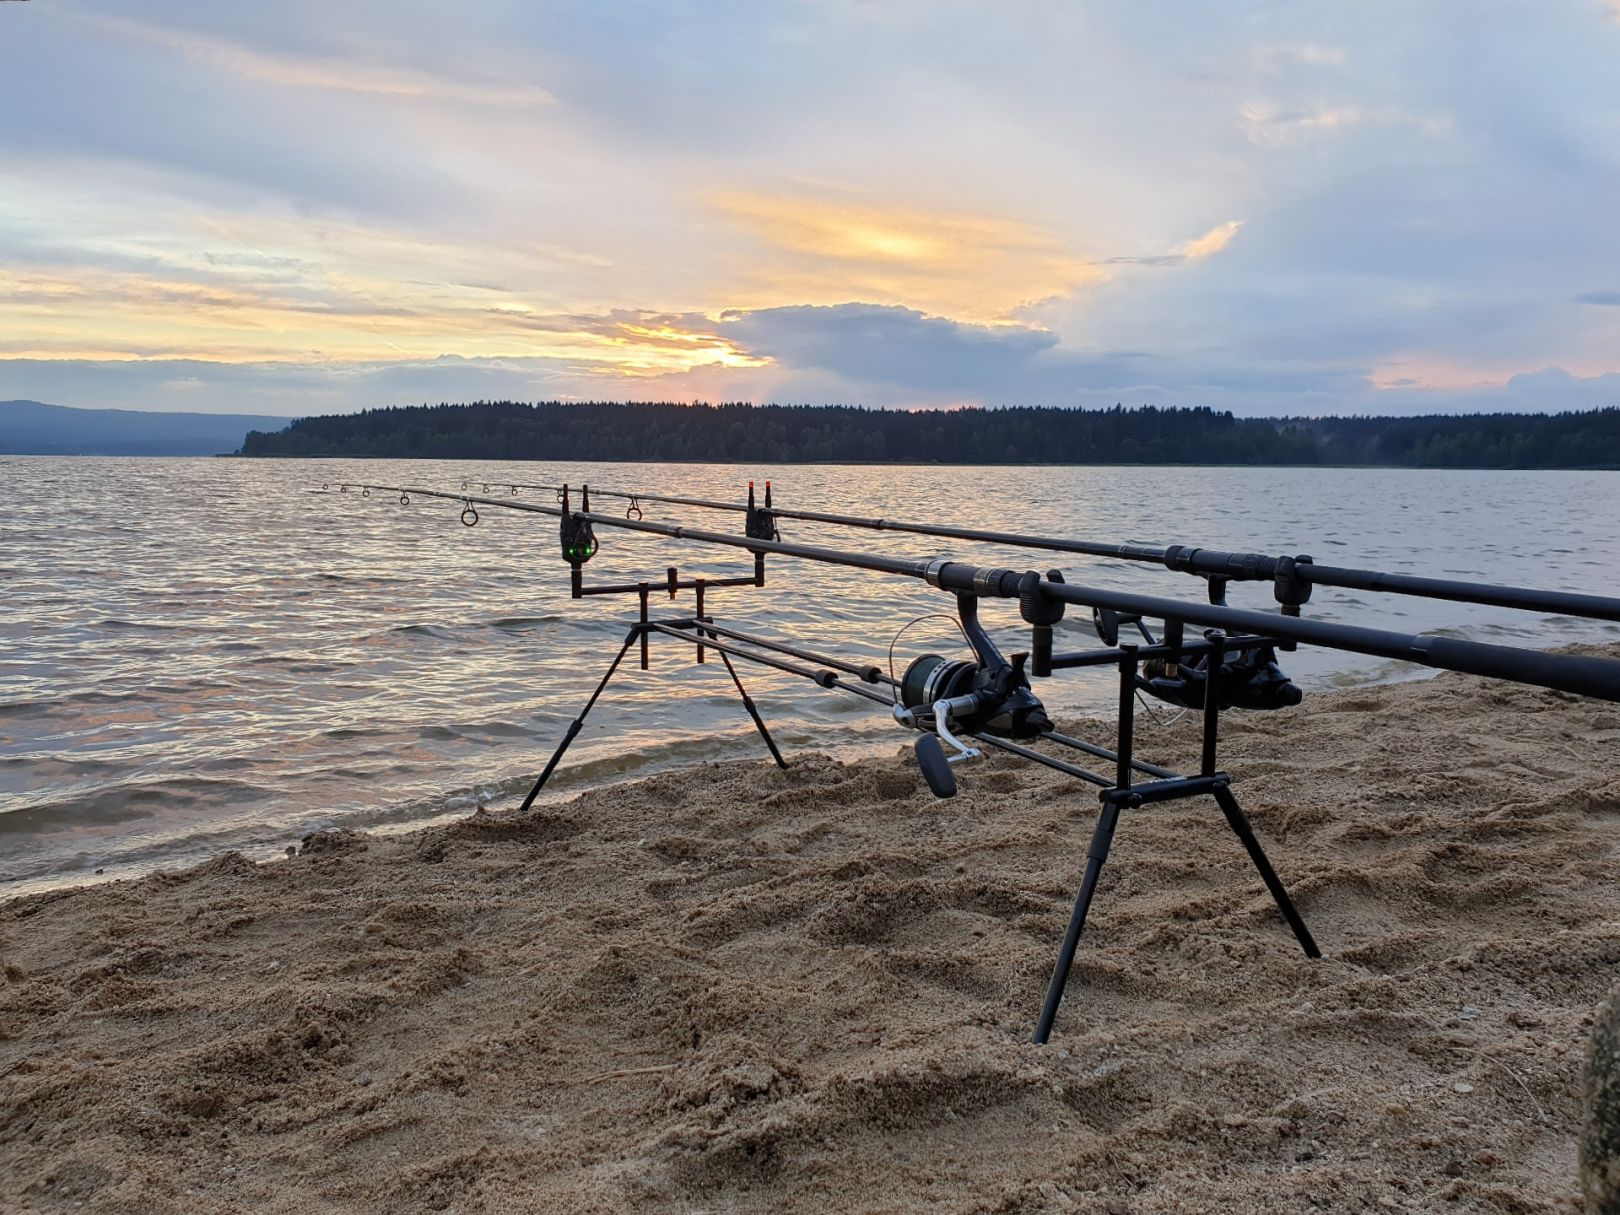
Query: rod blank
[(1211, 563), (1595, 677)]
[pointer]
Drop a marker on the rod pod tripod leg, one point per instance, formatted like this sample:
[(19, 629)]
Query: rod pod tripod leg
[(1124, 796), (748, 703), (1101, 839), (640, 632), (1239, 822), (578, 724)]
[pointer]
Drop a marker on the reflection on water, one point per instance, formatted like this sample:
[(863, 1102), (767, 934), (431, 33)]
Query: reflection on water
[(198, 654)]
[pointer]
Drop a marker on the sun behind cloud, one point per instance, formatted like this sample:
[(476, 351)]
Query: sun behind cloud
[(828, 250)]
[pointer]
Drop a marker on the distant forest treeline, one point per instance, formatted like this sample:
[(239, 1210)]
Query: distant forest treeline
[(780, 434)]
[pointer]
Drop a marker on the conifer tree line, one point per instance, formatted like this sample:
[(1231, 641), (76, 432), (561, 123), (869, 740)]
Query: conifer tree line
[(782, 434)]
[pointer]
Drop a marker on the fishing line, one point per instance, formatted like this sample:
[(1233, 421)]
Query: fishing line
[(925, 616)]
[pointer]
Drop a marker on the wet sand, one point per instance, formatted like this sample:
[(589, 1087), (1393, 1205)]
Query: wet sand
[(741, 989)]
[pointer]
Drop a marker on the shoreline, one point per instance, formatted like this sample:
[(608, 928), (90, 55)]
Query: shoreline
[(372, 821), (731, 988)]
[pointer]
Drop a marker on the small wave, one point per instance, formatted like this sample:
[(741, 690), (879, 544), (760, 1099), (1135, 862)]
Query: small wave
[(497, 729), (361, 580), (298, 666), (68, 816), (47, 706), (439, 632), (119, 624), (518, 623), (125, 803), (347, 733)]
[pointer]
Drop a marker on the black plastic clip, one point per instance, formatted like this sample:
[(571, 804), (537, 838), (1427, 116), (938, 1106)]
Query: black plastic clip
[(1035, 607), (1288, 587), (633, 511)]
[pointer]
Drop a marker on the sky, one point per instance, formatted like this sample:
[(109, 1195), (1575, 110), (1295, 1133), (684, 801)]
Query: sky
[(1364, 206)]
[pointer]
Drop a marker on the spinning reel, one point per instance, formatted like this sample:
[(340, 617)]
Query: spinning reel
[(948, 697)]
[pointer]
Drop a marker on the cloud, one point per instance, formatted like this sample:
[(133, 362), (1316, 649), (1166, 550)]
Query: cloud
[(344, 75), (1278, 56), (823, 249), (854, 354), (1207, 245), (1270, 125), (893, 347), (1213, 241), (1392, 210)]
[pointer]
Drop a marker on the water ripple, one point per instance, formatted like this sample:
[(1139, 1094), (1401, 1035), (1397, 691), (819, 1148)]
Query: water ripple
[(253, 661)]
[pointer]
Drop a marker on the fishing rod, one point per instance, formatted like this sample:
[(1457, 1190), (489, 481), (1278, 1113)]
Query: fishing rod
[(1291, 577), (1596, 677), (958, 706)]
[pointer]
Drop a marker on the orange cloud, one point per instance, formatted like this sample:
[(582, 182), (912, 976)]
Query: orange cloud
[(1211, 242), (824, 250), (52, 314)]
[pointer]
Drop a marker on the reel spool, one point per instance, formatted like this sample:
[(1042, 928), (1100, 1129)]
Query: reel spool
[(930, 678), (942, 695)]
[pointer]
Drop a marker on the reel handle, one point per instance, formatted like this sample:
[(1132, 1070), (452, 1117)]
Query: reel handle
[(930, 748), (936, 769)]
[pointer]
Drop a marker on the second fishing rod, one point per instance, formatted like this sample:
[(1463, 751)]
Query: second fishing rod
[(1291, 577)]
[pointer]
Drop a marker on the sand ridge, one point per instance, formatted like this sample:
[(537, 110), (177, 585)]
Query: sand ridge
[(741, 989)]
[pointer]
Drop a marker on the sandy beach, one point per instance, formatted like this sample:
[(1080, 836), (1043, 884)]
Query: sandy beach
[(742, 989)]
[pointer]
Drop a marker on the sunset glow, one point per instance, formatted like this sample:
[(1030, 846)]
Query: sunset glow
[(370, 206)]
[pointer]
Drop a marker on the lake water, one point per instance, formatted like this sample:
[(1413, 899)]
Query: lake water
[(207, 654)]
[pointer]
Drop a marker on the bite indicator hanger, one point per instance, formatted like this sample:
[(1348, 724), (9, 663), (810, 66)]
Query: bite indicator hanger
[(760, 524)]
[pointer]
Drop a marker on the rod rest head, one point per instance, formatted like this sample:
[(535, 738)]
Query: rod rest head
[(1035, 607), (1288, 587), (761, 524)]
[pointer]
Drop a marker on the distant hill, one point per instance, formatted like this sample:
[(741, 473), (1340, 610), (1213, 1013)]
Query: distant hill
[(778, 434), (30, 428)]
